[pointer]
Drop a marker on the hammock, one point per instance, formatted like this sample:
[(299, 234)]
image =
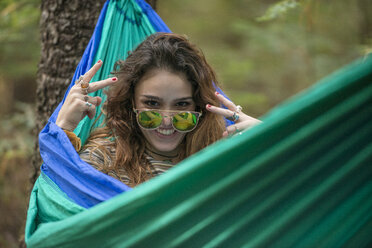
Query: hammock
[(302, 178)]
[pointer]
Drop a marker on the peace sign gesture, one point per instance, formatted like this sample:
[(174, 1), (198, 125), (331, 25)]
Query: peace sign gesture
[(233, 113), (78, 104)]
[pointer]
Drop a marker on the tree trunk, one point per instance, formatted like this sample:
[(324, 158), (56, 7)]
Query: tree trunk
[(152, 3), (65, 30)]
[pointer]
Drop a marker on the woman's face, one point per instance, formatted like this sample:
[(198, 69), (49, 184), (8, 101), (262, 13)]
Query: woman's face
[(164, 90)]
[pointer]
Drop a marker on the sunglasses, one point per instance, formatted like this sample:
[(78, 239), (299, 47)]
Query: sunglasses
[(182, 121)]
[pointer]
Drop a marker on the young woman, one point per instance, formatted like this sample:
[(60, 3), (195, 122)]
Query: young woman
[(162, 107)]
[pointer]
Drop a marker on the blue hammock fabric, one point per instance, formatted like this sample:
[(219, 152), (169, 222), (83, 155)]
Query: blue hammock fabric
[(302, 178)]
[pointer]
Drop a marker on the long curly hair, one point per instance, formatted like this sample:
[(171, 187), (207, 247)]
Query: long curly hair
[(166, 51)]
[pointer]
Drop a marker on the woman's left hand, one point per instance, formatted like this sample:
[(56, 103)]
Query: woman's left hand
[(234, 113)]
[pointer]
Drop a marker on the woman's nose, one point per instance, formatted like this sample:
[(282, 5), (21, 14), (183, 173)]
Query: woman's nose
[(167, 121)]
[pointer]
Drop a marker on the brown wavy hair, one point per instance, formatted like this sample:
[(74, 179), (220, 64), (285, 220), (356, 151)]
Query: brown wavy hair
[(165, 51)]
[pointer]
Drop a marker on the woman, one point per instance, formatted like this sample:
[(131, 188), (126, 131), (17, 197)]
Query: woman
[(162, 107)]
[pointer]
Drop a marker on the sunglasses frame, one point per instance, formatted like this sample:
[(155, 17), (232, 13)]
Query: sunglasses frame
[(172, 114)]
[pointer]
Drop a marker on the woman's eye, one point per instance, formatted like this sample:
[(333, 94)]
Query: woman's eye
[(152, 103), (183, 104)]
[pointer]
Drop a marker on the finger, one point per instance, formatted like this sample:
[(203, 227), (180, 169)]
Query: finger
[(239, 127), (92, 71), (91, 111), (88, 109), (229, 104), (233, 129), (90, 104), (96, 101), (101, 84), (220, 111)]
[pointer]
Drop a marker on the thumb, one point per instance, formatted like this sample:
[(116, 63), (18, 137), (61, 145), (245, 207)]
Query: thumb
[(98, 100)]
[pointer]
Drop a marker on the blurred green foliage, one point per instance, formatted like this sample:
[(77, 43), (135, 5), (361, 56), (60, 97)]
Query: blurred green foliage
[(16, 147), (19, 55), (19, 37), (16, 131), (278, 9), (266, 51)]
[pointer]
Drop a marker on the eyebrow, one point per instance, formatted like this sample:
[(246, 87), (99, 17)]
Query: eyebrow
[(158, 98)]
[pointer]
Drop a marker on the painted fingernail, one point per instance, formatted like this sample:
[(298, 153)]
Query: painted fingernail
[(114, 79), (217, 93), (208, 106), (99, 61)]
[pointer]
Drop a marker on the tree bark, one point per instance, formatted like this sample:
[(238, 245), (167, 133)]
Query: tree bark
[(65, 29), (152, 3)]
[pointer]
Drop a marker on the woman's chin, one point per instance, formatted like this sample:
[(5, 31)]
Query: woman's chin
[(166, 142)]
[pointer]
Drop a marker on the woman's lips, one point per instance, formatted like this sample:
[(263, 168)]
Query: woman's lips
[(168, 131), (165, 132)]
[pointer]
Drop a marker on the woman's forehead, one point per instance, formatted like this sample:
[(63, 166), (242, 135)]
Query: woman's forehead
[(164, 84)]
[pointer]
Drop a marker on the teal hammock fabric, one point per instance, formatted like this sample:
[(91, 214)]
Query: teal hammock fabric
[(302, 178)]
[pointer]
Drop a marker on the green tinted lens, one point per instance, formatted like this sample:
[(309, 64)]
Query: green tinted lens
[(185, 121), (149, 119)]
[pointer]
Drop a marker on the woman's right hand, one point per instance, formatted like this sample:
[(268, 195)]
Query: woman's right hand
[(78, 104)]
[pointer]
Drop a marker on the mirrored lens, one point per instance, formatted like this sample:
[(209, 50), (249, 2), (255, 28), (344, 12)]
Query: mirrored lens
[(185, 121), (149, 119)]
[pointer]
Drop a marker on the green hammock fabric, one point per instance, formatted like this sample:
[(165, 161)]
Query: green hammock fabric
[(118, 38), (302, 178)]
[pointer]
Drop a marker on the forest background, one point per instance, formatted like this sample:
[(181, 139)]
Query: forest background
[(264, 52)]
